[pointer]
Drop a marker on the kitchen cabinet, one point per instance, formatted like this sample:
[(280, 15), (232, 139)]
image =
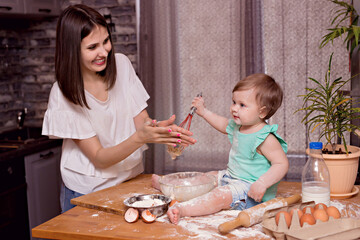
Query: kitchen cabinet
[(42, 171), (43, 7), (14, 223), (30, 7), (11, 6)]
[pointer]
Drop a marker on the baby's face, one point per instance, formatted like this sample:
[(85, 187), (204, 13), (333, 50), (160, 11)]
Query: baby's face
[(244, 109)]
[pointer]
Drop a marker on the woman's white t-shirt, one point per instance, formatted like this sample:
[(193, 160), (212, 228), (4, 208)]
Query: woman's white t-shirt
[(112, 121)]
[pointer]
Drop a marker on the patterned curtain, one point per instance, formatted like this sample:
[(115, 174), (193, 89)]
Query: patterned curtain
[(292, 31), (192, 46)]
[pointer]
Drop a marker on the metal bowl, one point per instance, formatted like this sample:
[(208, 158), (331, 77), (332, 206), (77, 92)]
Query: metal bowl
[(184, 186), (157, 210)]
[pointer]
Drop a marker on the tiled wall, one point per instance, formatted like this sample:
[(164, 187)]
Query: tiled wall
[(27, 48)]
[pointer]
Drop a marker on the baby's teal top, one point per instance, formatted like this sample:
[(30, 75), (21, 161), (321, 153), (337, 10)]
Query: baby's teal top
[(244, 161)]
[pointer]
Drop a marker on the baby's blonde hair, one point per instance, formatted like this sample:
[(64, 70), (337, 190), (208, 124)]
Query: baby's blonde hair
[(268, 92)]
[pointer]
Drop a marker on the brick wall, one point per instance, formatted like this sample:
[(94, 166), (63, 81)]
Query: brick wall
[(27, 48)]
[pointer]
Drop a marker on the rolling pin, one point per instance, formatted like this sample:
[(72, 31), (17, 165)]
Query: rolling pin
[(253, 215)]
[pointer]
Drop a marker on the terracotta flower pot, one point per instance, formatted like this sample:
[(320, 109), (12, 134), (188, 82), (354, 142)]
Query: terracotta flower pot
[(342, 168)]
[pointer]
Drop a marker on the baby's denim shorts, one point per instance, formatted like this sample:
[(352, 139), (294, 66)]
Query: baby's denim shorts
[(239, 189)]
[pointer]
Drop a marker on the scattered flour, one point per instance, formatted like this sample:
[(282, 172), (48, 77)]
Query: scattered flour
[(258, 213), (206, 227), (347, 210)]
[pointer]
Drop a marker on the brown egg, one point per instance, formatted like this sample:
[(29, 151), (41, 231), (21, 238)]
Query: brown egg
[(321, 214), (307, 218), (286, 216), (311, 209), (299, 212), (320, 204), (333, 212)]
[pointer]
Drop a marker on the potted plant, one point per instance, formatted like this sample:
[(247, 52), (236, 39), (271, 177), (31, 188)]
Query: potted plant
[(331, 111), (345, 23)]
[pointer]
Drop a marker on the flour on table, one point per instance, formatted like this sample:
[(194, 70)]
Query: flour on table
[(347, 210), (258, 213), (206, 227)]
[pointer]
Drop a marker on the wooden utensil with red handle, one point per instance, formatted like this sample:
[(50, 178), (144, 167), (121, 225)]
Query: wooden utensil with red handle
[(253, 215)]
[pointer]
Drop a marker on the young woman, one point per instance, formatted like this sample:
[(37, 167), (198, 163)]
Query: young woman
[(98, 106)]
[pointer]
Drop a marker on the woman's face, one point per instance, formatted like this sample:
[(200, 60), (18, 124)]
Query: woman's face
[(94, 50)]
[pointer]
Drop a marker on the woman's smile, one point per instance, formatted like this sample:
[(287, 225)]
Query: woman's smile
[(100, 62)]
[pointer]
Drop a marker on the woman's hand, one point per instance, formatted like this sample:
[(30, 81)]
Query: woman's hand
[(147, 131), (165, 132)]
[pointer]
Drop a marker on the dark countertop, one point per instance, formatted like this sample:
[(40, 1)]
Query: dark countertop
[(20, 142), (30, 148)]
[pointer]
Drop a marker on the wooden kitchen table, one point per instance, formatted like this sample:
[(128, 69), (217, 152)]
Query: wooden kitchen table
[(95, 218)]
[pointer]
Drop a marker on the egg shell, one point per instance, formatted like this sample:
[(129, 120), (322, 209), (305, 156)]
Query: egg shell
[(321, 214), (286, 217), (333, 212), (307, 218), (131, 215), (320, 205), (310, 211), (147, 216)]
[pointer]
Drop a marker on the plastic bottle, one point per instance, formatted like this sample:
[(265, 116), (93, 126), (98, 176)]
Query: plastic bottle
[(315, 178)]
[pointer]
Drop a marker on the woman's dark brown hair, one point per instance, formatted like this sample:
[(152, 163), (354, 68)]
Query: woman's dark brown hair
[(268, 93), (74, 24)]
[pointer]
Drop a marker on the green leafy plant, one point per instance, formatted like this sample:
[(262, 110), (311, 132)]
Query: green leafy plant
[(329, 110), (345, 22)]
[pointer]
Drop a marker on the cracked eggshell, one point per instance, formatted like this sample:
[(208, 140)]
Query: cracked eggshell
[(147, 216), (131, 215)]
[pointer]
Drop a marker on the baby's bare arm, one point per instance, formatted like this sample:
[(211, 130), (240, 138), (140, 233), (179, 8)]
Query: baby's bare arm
[(216, 121), (272, 150)]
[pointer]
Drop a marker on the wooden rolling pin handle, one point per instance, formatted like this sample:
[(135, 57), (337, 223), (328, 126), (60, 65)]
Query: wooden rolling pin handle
[(242, 220), (293, 199)]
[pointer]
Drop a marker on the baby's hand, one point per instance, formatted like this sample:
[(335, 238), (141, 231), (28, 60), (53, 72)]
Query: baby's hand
[(257, 191), (199, 103)]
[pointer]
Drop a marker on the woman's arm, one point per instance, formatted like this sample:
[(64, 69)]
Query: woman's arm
[(145, 133), (272, 150)]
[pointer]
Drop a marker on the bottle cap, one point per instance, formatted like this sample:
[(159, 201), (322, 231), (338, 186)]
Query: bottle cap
[(316, 145)]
